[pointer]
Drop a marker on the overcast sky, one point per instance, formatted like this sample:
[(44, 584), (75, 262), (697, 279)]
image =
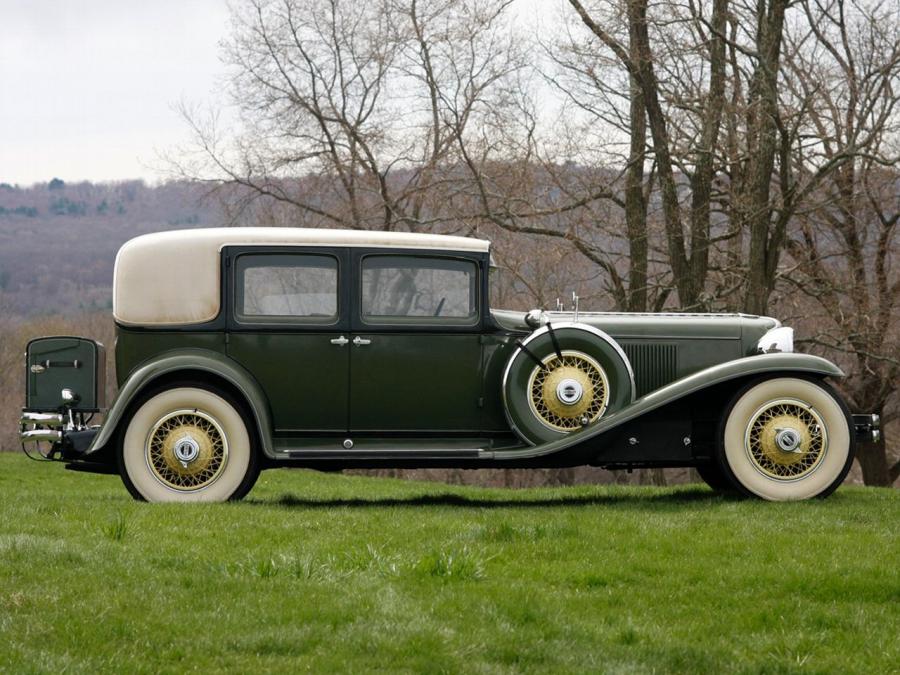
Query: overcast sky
[(87, 86)]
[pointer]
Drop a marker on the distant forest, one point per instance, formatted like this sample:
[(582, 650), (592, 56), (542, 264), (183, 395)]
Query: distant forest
[(58, 240)]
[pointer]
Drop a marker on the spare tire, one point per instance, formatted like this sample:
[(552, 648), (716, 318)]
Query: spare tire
[(563, 377)]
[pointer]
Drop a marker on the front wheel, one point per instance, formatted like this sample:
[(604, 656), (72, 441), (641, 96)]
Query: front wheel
[(188, 444), (786, 438), (711, 474)]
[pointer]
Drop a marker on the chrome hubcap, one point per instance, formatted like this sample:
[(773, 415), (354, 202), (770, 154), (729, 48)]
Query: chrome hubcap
[(569, 391), (788, 440), (186, 450)]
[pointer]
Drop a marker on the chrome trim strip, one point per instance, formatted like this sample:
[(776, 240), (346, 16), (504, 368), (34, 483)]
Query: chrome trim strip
[(672, 315)]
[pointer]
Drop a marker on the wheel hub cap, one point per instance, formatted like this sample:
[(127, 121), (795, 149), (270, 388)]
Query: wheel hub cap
[(786, 439), (569, 391), (186, 450)]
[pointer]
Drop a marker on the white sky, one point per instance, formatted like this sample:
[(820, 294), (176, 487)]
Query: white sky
[(87, 87)]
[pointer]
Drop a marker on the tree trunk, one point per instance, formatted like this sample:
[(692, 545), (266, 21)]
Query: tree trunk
[(645, 74), (872, 458), (702, 178), (761, 147), (635, 204)]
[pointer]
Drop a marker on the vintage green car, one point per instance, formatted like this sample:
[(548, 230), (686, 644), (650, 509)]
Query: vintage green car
[(240, 349)]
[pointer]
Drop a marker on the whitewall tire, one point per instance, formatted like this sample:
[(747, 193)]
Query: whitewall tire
[(786, 438), (187, 444)]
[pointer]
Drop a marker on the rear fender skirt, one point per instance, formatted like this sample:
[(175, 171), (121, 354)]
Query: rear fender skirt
[(761, 364), (186, 360)]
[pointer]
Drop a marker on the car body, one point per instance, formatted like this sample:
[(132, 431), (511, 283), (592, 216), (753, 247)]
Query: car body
[(246, 348)]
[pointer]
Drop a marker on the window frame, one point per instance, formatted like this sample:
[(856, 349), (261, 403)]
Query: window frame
[(236, 322), (419, 323)]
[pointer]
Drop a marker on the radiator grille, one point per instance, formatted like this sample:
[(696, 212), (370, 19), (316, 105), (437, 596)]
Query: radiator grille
[(655, 364)]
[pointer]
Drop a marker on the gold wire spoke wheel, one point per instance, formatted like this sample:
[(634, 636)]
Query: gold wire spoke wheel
[(786, 439), (569, 392), (187, 450)]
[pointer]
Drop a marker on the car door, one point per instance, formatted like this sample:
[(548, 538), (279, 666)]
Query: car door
[(287, 325), (415, 363)]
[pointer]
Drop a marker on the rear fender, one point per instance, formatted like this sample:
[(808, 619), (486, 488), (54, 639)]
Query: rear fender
[(761, 364), (210, 363)]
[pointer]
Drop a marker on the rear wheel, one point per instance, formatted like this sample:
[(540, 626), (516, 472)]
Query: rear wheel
[(186, 444), (786, 438)]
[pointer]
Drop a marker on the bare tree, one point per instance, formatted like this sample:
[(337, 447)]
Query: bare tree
[(688, 258), (367, 102), (843, 244)]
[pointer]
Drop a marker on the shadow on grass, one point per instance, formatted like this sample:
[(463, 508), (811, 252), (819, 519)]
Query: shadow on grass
[(698, 495)]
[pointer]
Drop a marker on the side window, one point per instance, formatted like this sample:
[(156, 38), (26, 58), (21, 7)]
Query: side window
[(286, 288), (398, 289)]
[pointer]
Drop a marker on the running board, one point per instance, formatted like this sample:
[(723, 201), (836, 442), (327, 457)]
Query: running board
[(384, 453)]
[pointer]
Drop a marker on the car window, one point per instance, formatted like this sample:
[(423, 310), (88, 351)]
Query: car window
[(287, 287), (418, 289)]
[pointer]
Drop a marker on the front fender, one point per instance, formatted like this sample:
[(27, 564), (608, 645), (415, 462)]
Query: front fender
[(751, 365), (189, 360)]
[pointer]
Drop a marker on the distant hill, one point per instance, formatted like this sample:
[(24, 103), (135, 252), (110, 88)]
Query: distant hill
[(58, 241)]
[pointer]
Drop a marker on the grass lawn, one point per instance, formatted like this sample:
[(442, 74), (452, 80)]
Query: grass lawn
[(334, 573)]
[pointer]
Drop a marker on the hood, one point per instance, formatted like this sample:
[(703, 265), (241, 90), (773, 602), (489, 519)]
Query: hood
[(623, 325)]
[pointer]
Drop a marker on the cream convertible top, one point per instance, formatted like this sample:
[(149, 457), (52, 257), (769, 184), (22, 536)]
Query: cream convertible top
[(173, 278)]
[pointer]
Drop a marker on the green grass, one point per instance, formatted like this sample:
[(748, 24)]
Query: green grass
[(334, 573)]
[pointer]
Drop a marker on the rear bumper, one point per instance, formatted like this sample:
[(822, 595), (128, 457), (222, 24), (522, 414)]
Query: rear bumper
[(868, 428), (68, 441)]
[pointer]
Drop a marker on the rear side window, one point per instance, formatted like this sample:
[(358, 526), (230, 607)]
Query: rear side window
[(398, 289), (286, 287)]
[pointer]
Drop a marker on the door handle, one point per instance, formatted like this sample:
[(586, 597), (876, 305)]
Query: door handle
[(359, 341), (339, 341)]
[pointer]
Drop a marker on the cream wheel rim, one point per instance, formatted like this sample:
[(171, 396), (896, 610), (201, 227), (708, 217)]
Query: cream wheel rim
[(567, 393), (786, 440), (186, 450)]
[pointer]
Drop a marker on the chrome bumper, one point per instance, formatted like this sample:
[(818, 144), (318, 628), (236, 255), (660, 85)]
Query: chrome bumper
[(44, 419), (69, 440), (867, 427), (38, 427), (38, 435)]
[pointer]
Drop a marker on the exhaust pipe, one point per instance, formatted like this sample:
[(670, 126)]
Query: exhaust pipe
[(38, 435), (46, 419)]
